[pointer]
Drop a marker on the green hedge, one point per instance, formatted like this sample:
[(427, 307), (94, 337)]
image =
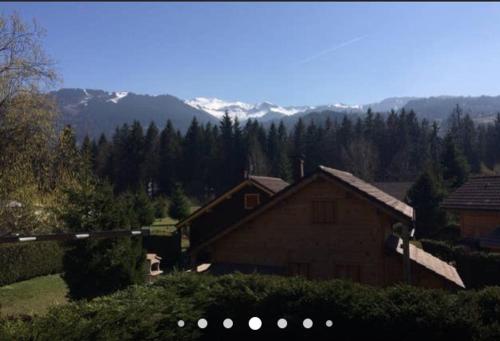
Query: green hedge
[(167, 247), (477, 269), (24, 261), (151, 312)]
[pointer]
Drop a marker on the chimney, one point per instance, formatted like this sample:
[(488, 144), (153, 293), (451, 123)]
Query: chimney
[(301, 168)]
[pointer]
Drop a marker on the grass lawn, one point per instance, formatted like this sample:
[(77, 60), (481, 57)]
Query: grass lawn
[(33, 296), (165, 226)]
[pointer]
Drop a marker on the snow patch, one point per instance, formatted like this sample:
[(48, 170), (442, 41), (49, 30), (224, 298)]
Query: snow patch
[(241, 110), (118, 96), (85, 101)]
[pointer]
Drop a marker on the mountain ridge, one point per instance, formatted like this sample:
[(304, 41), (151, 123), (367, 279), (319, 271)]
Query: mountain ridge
[(94, 111)]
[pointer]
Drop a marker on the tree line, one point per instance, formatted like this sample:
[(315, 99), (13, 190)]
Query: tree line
[(208, 159)]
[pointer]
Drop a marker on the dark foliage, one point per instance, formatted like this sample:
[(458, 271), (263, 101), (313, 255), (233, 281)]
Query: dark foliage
[(19, 262), (179, 205), (97, 267), (396, 313), (209, 158), (425, 196)]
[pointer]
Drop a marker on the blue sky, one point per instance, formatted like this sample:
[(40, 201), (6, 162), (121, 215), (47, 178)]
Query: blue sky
[(285, 53)]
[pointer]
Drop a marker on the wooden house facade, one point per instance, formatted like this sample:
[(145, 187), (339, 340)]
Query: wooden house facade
[(477, 203), (229, 207), (328, 225)]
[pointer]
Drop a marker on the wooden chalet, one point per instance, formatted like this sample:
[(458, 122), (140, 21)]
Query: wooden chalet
[(477, 204), (327, 225), (229, 207)]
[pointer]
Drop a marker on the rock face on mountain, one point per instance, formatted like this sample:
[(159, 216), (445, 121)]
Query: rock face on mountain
[(94, 112)]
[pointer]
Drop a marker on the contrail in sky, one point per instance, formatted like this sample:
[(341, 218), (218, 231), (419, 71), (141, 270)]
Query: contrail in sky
[(331, 49)]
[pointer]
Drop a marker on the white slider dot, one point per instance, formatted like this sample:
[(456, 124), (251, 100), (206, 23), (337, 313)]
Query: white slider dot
[(255, 323)]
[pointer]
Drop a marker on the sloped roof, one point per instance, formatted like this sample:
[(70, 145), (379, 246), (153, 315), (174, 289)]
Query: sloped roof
[(273, 184), (397, 189), (269, 185), (370, 191), (479, 193), (426, 260)]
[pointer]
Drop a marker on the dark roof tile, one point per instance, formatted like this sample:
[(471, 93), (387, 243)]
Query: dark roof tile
[(479, 193), (273, 184)]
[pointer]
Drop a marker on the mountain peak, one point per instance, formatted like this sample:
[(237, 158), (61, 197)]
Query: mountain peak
[(243, 111)]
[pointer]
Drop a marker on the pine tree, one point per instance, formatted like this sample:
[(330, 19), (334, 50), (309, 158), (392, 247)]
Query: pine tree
[(102, 161), (169, 158), (298, 147), (284, 167), (68, 165), (95, 267), (179, 205), (144, 209), (151, 164), (192, 158), (454, 165), (425, 196)]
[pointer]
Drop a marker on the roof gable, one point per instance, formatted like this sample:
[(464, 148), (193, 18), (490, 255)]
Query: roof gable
[(269, 185), (479, 193)]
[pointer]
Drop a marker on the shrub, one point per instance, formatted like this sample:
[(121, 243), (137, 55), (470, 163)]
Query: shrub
[(151, 312), (98, 267), (19, 262)]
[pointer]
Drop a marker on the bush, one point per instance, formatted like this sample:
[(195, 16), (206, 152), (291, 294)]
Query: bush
[(99, 267), (151, 312), (167, 247), (19, 262), (477, 269)]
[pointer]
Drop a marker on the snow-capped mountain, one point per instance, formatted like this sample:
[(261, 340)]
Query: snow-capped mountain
[(94, 112), (262, 111)]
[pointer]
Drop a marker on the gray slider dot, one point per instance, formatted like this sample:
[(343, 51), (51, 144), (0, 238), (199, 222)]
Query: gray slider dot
[(227, 323), (308, 323), (282, 323), (202, 323)]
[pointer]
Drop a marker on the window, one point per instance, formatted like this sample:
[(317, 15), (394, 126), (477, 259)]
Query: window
[(251, 200), (298, 269), (323, 212)]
